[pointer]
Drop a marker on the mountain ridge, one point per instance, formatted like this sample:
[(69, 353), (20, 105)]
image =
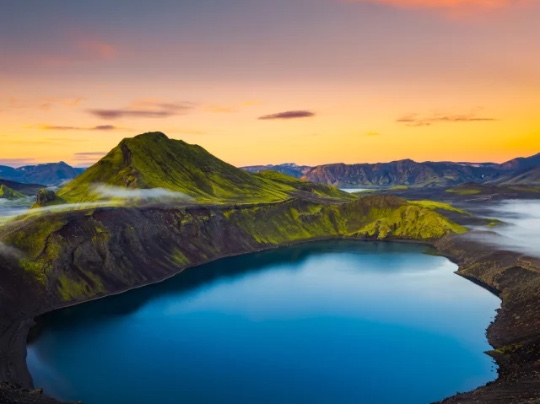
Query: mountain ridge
[(407, 172), (46, 174)]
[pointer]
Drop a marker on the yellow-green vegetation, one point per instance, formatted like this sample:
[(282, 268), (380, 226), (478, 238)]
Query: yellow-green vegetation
[(152, 160), (398, 188), (71, 289), (493, 222), (434, 205), (379, 217), (507, 349), (8, 193), (321, 190), (464, 190), (40, 245)]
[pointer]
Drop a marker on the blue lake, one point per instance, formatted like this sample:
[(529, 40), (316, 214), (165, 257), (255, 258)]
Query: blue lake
[(328, 322)]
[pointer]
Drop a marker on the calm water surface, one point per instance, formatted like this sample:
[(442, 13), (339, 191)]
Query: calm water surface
[(332, 322)]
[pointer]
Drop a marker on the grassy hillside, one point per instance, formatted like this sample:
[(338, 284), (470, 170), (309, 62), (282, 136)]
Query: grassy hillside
[(151, 161), (321, 190), (8, 193)]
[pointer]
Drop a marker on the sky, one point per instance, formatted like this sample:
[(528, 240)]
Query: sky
[(272, 81)]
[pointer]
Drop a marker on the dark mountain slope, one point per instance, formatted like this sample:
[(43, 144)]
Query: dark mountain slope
[(402, 172)]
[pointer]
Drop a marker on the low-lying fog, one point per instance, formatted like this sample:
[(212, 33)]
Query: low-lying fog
[(520, 230), (107, 195)]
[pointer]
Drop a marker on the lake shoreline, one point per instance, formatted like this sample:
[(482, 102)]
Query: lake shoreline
[(458, 249)]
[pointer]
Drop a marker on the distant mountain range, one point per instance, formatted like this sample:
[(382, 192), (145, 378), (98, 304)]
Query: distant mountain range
[(46, 174), (519, 171)]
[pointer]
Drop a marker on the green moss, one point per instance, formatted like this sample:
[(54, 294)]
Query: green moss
[(77, 289), (398, 188), (439, 205), (507, 349), (493, 222), (8, 193), (464, 191)]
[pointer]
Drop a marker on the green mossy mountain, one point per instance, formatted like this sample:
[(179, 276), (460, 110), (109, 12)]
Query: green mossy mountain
[(152, 160), (8, 193)]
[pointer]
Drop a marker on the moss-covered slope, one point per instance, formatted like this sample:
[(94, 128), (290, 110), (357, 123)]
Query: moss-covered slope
[(152, 160), (78, 255), (8, 193)]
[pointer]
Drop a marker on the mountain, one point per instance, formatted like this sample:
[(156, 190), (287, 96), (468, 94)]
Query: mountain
[(26, 189), (8, 193), (402, 172), (153, 161), (527, 177), (48, 174), (291, 169), (520, 171), (522, 163), (413, 174)]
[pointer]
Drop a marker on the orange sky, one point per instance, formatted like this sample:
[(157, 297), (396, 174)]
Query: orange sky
[(344, 81)]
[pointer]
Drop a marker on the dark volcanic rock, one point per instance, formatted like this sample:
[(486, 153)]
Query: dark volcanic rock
[(515, 334), (11, 393)]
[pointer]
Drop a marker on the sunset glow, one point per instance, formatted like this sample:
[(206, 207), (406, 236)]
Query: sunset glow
[(305, 81)]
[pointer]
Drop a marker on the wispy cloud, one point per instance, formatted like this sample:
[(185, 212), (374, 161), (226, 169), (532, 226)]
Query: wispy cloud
[(446, 4), (90, 154), (72, 128), (156, 194), (85, 159), (39, 103), (289, 115), (144, 109), (17, 162), (428, 120)]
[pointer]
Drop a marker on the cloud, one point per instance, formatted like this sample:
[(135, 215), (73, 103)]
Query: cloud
[(158, 194), (428, 120), (145, 109), (446, 4), (17, 162), (93, 128), (90, 154), (289, 115), (39, 103), (519, 231), (86, 159), (9, 251)]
